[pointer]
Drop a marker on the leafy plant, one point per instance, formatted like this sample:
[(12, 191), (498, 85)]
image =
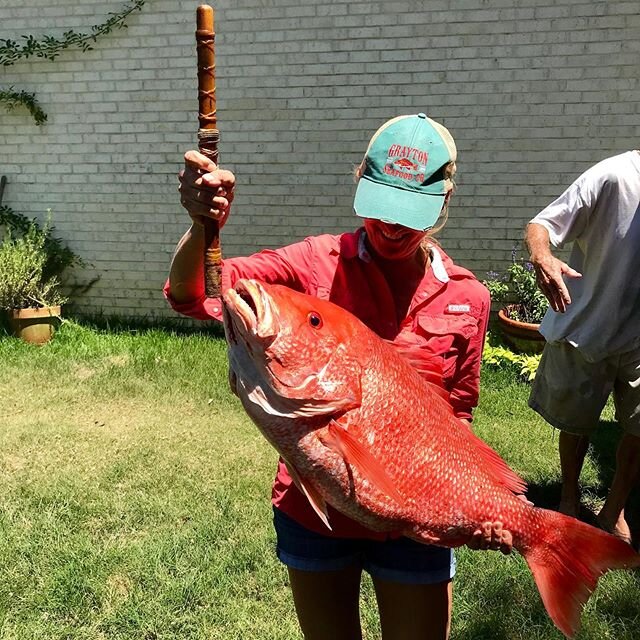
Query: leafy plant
[(518, 286), (24, 281), (499, 357), (58, 256), (497, 285)]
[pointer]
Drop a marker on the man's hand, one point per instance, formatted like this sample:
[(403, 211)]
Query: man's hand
[(549, 271), (205, 190), (491, 536)]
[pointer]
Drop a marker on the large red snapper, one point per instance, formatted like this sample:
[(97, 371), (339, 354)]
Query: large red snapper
[(362, 430)]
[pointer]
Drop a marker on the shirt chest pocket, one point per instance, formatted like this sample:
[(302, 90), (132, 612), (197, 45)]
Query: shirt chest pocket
[(461, 325), (447, 335)]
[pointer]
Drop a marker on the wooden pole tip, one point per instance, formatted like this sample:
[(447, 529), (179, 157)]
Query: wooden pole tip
[(204, 16)]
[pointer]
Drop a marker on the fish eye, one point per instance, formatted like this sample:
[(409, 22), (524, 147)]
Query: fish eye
[(314, 320)]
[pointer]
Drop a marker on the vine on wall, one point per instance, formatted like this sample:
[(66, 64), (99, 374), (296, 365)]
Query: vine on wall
[(12, 99), (49, 48)]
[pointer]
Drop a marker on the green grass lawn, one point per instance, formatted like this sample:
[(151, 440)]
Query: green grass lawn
[(134, 502)]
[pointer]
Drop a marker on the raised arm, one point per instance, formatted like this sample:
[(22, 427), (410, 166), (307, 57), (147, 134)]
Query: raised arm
[(205, 192)]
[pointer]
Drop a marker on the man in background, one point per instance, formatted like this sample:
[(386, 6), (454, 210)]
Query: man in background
[(593, 326)]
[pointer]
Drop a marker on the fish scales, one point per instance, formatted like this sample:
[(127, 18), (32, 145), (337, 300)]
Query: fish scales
[(362, 430), (408, 437)]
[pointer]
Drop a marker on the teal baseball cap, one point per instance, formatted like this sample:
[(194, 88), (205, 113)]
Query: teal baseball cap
[(403, 173)]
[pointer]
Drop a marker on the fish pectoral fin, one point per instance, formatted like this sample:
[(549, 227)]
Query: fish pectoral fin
[(315, 499), (356, 455)]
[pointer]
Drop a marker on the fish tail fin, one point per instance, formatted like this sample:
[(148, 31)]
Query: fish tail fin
[(566, 562)]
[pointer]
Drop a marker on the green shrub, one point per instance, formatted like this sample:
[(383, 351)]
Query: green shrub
[(59, 256), (519, 287), (24, 281), (499, 357)]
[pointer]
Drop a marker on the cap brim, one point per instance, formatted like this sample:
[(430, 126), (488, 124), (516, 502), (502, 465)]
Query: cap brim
[(417, 211)]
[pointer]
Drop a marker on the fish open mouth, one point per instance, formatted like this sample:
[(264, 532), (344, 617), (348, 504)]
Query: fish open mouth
[(250, 311)]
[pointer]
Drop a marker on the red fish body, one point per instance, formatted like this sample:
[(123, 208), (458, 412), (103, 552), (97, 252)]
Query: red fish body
[(362, 430)]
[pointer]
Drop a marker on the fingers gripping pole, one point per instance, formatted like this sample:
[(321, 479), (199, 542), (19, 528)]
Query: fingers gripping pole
[(208, 137)]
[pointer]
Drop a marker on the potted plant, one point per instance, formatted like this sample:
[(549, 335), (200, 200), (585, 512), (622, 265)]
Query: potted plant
[(30, 291), (525, 305)]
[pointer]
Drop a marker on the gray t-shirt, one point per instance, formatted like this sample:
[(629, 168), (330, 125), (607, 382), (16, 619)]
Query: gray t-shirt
[(600, 214)]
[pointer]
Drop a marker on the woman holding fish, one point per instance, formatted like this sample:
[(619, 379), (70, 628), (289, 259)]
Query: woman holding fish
[(393, 276)]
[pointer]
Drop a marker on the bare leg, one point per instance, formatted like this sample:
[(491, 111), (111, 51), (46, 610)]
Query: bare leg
[(611, 517), (572, 452), (327, 603), (414, 611)]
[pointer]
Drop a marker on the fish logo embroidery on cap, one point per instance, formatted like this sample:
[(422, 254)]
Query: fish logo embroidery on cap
[(406, 163)]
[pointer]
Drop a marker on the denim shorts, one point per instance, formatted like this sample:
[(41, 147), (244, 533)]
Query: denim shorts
[(396, 560)]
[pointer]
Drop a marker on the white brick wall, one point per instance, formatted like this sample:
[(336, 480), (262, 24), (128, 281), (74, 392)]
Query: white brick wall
[(533, 92)]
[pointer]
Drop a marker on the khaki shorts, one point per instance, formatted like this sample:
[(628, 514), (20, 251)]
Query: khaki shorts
[(570, 393)]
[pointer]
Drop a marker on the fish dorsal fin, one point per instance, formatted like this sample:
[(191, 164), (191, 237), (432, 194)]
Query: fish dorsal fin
[(495, 465), (315, 499), (356, 455)]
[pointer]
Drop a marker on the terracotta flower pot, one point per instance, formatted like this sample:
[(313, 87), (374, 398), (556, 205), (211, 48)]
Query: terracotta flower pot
[(34, 325), (523, 337)]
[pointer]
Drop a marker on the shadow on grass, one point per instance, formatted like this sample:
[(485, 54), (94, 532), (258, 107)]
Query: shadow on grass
[(511, 604), (602, 452), (5, 331), (123, 324), (604, 444)]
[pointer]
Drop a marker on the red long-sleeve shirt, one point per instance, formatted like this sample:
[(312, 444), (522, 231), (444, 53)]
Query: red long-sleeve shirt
[(445, 324)]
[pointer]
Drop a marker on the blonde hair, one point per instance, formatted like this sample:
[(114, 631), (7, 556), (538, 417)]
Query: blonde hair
[(449, 172), (429, 238)]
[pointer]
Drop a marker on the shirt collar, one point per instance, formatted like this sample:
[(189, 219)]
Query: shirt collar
[(437, 264)]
